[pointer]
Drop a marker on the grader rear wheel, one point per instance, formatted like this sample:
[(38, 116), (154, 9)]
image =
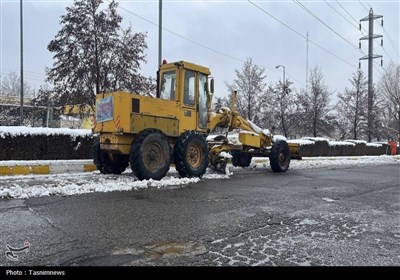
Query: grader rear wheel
[(108, 163), (191, 155), (150, 155)]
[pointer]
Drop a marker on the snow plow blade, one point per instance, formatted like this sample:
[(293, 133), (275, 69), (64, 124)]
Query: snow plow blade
[(294, 151)]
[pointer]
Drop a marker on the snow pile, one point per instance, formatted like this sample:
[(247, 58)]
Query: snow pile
[(374, 145), (279, 137), (225, 155), (301, 142), (211, 138), (24, 131), (340, 143), (234, 139), (316, 139), (60, 163), (356, 141), (26, 186)]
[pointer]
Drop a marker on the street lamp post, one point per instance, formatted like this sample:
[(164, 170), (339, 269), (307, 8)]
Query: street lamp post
[(21, 110), (159, 32)]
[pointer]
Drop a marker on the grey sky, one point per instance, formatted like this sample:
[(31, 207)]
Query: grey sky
[(224, 34)]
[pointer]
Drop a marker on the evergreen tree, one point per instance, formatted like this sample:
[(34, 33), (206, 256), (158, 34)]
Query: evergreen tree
[(93, 54)]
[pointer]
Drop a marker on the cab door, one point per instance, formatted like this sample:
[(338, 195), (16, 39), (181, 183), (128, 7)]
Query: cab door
[(189, 121), (202, 114)]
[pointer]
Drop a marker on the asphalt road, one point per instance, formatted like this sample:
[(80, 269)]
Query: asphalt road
[(321, 217)]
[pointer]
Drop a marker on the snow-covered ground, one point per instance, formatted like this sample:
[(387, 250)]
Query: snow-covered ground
[(26, 186), (24, 131)]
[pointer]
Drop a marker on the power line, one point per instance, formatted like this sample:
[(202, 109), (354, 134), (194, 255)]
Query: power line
[(200, 44), (363, 5), (356, 21), (326, 25), (181, 36), (333, 8), (301, 35), (391, 42), (355, 26), (362, 28), (5, 73), (25, 71)]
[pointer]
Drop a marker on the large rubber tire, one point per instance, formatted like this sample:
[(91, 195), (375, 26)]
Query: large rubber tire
[(191, 154), (240, 158), (280, 156), (150, 155), (108, 163)]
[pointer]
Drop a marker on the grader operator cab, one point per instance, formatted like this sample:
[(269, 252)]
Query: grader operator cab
[(150, 133)]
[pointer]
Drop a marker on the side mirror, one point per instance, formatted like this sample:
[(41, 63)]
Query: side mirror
[(212, 85)]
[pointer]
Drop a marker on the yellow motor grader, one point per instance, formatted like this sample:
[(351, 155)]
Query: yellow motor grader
[(149, 133)]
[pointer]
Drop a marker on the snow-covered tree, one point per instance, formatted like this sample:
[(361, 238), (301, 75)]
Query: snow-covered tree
[(389, 91), (313, 107), (250, 85), (11, 86), (93, 54), (282, 108), (220, 102), (352, 107)]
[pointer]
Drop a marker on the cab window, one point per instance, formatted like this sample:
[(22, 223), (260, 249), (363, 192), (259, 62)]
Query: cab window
[(203, 113), (167, 90), (189, 88)]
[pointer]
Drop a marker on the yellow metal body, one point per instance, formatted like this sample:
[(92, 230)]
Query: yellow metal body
[(120, 116), (250, 139), (230, 118)]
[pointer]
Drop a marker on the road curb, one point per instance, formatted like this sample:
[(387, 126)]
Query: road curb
[(43, 168)]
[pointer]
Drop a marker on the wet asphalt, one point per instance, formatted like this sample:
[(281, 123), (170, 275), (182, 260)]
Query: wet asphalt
[(322, 217)]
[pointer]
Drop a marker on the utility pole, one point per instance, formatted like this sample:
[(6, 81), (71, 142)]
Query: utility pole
[(159, 33), (371, 56), (21, 109)]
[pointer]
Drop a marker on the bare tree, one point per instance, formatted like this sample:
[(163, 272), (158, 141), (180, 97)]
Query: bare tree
[(11, 86), (314, 106), (389, 90), (282, 107), (352, 107), (250, 85)]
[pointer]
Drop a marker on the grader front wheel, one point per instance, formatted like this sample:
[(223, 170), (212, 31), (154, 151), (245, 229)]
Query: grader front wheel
[(280, 156)]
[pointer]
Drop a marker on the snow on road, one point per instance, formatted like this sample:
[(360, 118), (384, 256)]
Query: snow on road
[(74, 184)]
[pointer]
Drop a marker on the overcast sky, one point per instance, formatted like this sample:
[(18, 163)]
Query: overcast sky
[(221, 34)]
